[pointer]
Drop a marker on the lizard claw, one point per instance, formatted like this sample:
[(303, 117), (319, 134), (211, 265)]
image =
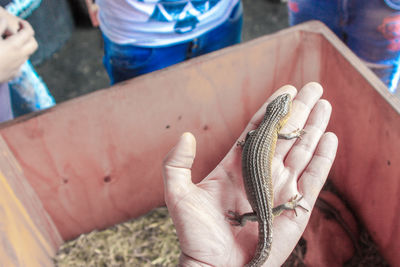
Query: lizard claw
[(300, 133), (294, 203), (240, 143)]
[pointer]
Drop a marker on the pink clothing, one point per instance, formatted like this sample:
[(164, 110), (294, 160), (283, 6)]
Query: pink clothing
[(5, 105)]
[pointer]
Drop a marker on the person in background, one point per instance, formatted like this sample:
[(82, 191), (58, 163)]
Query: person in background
[(17, 43), (141, 36), (371, 29), (27, 90)]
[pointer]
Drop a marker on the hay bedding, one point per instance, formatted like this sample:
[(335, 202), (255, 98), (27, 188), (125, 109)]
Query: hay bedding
[(151, 241), (147, 241)]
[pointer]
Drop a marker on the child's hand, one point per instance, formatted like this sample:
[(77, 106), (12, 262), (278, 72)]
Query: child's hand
[(15, 48), (13, 22)]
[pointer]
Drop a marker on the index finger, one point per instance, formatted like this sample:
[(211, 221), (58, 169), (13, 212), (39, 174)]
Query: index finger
[(302, 105), (26, 26), (23, 35)]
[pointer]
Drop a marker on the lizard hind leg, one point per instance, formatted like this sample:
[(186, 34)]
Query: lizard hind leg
[(237, 219)]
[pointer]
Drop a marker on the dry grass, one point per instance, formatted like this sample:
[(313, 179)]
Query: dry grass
[(147, 241), (151, 241)]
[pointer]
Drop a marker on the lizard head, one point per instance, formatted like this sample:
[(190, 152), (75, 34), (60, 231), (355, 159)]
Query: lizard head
[(281, 106)]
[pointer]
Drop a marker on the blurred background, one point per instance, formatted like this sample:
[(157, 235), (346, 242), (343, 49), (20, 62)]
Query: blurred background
[(76, 67)]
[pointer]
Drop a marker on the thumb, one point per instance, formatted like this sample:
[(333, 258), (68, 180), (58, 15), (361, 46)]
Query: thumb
[(177, 167)]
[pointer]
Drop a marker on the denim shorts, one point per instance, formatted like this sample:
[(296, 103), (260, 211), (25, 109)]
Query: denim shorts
[(123, 62), (371, 29)]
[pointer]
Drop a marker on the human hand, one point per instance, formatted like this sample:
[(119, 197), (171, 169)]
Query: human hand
[(15, 49), (13, 22), (299, 167)]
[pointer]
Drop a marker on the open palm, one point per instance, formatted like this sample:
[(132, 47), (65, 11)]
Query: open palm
[(199, 211)]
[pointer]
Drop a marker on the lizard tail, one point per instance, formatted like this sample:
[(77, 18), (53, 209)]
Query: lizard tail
[(264, 245)]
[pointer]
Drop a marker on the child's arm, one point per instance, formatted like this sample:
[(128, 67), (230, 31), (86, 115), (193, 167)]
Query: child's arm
[(93, 10)]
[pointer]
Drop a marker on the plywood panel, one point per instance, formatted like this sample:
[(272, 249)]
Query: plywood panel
[(28, 236), (367, 168)]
